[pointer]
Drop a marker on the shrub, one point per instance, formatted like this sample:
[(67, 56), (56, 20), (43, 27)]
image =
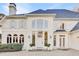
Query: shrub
[(48, 45), (11, 47), (17, 46), (3, 46)]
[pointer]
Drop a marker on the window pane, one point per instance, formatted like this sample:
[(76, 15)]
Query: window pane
[(13, 24), (39, 23), (33, 24), (54, 40), (46, 24), (22, 24)]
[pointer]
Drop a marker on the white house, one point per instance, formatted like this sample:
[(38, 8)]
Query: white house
[(41, 29)]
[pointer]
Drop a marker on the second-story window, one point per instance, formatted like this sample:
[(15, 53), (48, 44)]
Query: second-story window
[(62, 26), (22, 24), (13, 24), (39, 23)]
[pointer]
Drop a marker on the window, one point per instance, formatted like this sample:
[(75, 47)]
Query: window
[(62, 26), (21, 40), (13, 24), (46, 24), (33, 24), (62, 40), (22, 24), (39, 23), (15, 38), (46, 38), (33, 39), (9, 38), (54, 40), (0, 36)]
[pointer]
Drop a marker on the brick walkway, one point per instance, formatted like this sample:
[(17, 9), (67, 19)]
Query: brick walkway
[(42, 53)]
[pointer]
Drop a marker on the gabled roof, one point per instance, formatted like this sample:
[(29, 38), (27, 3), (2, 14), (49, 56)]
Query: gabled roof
[(76, 27), (60, 13)]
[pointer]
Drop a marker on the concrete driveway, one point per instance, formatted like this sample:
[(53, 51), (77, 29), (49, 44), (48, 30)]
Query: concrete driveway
[(42, 53)]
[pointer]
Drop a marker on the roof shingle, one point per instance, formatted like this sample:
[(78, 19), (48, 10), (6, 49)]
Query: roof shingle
[(60, 13)]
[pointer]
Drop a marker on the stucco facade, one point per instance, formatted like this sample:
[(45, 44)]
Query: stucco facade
[(41, 30)]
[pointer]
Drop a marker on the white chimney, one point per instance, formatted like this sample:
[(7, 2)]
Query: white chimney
[(12, 9)]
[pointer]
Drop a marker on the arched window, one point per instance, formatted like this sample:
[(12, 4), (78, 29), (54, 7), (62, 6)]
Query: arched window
[(21, 40), (15, 38), (9, 38)]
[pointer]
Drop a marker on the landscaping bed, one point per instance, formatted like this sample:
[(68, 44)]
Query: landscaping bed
[(10, 47)]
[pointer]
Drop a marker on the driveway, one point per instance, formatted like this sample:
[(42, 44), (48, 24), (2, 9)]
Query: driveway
[(42, 53)]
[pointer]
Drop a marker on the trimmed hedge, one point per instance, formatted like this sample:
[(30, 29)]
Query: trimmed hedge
[(11, 47)]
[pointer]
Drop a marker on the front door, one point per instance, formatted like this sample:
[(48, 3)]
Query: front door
[(62, 42), (39, 40)]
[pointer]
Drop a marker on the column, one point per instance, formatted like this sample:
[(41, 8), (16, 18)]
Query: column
[(18, 38)]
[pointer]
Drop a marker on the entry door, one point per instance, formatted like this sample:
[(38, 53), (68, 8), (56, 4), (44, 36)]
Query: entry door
[(62, 42), (39, 39)]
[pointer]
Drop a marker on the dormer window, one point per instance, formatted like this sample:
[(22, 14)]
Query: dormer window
[(62, 26)]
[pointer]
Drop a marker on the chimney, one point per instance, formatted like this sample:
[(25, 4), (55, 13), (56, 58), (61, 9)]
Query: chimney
[(12, 8)]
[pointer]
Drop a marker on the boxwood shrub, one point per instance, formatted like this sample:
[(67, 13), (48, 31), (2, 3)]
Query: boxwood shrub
[(11, 47)]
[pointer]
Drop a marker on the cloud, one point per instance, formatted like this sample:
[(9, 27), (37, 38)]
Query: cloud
[(23, 8), (56, 6)]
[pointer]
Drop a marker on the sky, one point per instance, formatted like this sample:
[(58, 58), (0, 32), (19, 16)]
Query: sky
[(29, 7)]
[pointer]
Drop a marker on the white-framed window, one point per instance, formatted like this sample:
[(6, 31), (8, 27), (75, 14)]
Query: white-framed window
[(15, 38), (9, 38), (54, 41), (21, 39), (13, 24), (62, 40), (62, 26), (34, 24), (45, 24), (39, 23), (22, 24)]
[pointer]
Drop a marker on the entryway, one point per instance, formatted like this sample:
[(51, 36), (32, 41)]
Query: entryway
[(39, 40)]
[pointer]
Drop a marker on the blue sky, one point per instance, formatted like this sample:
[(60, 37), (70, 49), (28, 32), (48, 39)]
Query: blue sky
[(28, 7)]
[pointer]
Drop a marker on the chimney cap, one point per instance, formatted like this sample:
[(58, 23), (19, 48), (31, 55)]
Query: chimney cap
[(13, 4)]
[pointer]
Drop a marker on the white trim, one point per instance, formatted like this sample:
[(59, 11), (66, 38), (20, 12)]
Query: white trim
[(39, 14), (68, 19)]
